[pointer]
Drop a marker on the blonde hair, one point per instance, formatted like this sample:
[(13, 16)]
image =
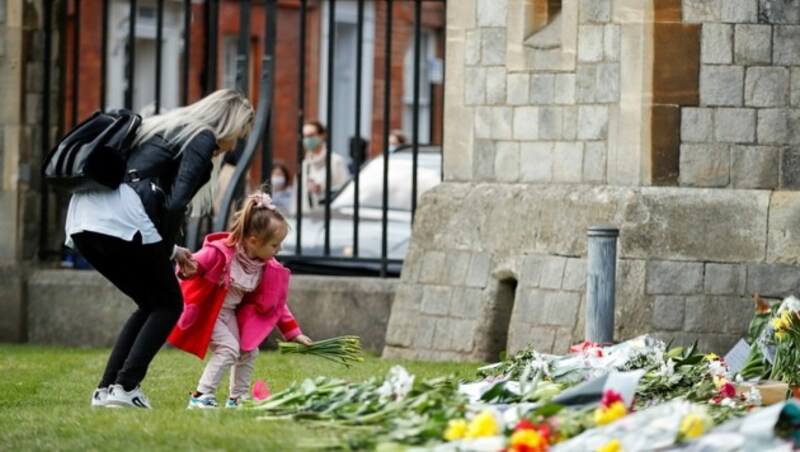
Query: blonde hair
[(258, 217), (226, 113)]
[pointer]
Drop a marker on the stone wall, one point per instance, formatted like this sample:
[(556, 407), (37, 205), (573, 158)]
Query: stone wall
[(671, 120), (82, 309)]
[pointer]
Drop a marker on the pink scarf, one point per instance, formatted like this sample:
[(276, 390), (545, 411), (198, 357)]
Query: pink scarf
[(245, 272)]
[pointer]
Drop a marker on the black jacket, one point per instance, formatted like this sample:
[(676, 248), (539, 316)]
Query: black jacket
[(166, 181)]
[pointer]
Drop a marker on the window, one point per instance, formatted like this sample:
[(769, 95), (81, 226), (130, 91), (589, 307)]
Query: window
[(542, 13), (427, 69)]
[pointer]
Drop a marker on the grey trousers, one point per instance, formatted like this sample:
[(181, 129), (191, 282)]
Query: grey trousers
[(226, 354)]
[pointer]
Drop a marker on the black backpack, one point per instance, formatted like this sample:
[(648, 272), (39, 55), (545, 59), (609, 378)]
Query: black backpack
[(94, 153)]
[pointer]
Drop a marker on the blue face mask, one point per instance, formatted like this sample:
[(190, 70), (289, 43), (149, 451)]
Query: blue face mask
[(311, 142)]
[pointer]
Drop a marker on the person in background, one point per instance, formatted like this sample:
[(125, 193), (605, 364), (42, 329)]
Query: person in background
[(234, 297), (396, 139), (128, 234), (282, 192), (314, 181)]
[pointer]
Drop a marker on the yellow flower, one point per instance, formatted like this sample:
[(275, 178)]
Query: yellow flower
[(612, 446), (712, 357), (527, 439), (482, 425), (603, 416), (780, 334), (719, 381), (456, 429), (692, 426)]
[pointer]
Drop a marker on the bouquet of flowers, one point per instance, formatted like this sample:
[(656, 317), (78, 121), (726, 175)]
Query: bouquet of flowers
[(775, 342), (343, 349)]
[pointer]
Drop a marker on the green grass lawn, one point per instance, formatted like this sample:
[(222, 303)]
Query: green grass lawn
[(45, 392)]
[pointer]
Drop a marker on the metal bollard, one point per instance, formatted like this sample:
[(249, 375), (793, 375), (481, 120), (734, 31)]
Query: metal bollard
[(600, 283)]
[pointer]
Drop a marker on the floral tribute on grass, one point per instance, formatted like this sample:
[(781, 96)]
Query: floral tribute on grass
[(343, 349), (640, 394)]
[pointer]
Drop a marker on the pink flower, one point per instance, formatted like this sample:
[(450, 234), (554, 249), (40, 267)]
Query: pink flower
[(260, 390), (610, 397), (728, 390), (588, 348)]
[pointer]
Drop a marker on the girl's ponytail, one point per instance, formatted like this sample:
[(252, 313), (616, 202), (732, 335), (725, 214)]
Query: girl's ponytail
[(259, 217)]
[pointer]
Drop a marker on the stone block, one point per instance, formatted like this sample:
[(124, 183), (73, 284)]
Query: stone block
[(475, 91), (528, 305), (526, 123), (594, 162), (593, 122), (496, 86), (790, 167), (457, 263), (766, 87), (740, 11), (795, 87), (433, 267), (570, 131), (536, 162), (532, 267), (755, 166), (493, 47), (725, 279), (773, 280), (483, 122), (717, 343), (492, 13), (521, 336), (552, 272), (674, 278), (753, 44), (472, 47), (786, 45), (501, 122), (705, 314), (702, 10), (668, 312), (506, 161), (783, 237), (551, 123), (560, 308), (483, 158), (575, 275), (564, 340), (466, 303), (735, 125), (704, 165), (590, 43), (409, 295), (608, 83), (479, 270), (424, 333), (401, 328), (565, 89), (542, 88), (585, 83), (594, 11), (721, 85), (778, 12), (716, 44), (697, 124), (568, 161), (740, 313), (611, 42), (518, 89), (464, 333), (773, 126)]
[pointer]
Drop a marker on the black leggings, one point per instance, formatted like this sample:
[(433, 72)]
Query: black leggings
[(146, 274)]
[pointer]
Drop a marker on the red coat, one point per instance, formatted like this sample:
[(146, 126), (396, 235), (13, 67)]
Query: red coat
[(203, 294)]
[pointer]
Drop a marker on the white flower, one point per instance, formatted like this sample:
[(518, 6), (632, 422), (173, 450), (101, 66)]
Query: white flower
[(753, 397), (667, 369), (717, 369), (397, 384), (791, 303)]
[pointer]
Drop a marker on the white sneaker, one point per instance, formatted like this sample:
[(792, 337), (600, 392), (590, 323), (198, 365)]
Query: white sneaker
[(100, 397), (204, 402), (120, 398)]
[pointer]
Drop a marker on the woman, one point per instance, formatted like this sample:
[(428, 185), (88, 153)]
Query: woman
[(282, 192), (314, 177), (128, 234)]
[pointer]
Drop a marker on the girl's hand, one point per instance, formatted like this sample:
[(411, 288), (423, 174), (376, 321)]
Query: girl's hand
[(186, 262), (303, 339)]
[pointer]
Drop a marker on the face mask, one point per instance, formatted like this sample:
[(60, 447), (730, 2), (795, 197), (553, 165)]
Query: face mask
[(311, 143), (278, 181)]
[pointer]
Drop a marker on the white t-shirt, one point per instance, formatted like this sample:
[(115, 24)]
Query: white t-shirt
[(117, 213)]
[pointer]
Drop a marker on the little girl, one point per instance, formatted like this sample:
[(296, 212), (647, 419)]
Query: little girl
[(236, 296)]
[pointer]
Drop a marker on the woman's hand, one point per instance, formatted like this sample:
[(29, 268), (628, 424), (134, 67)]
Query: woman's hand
[(186, 262), (303, 339)]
